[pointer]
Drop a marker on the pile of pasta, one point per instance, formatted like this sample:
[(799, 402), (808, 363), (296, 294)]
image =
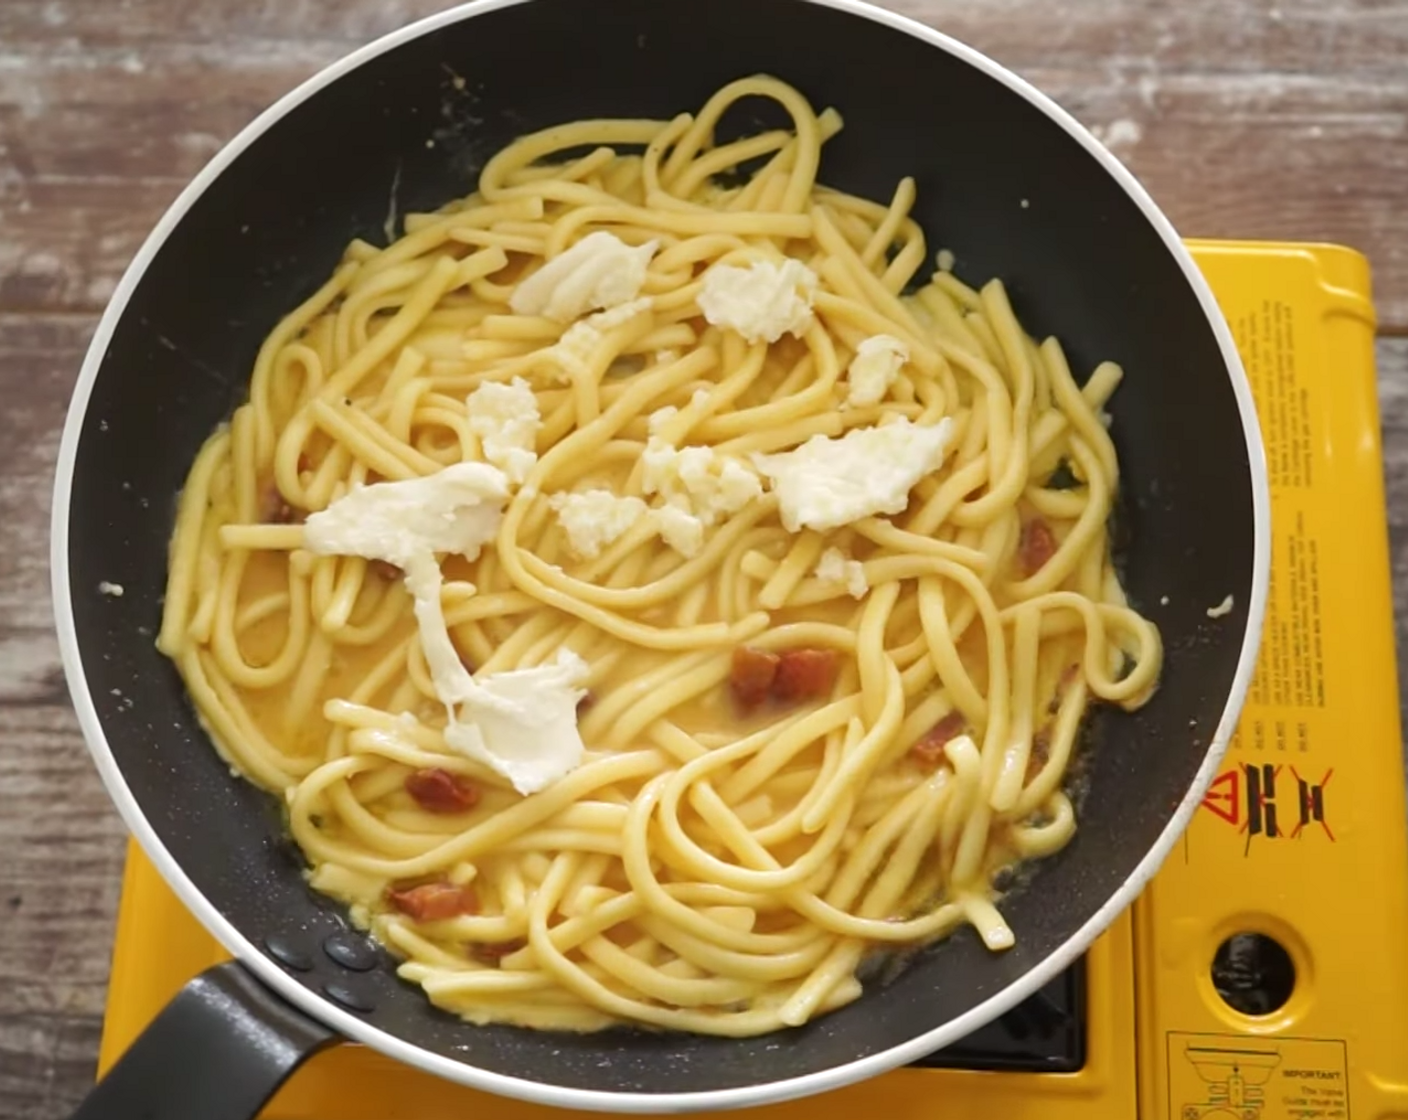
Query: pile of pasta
[(802, 747)]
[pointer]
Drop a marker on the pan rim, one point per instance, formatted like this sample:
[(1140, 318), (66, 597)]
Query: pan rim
[(359, 1030)]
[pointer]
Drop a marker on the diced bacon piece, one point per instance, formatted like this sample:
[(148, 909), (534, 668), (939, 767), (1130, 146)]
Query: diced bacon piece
[(434, 902), (440, 791), (929, 750), (1069, 675), (753, 674), (804, 674), (1036, 546), (491, 952), (385, 570), (1040, 752), (274, 510)]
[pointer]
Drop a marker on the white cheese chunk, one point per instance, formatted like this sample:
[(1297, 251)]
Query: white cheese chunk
[(623, 313), (761, 302), (698, 486), (710, 484), (600, 271), (829, 482), (455, 510), (873, 370), (680, 529), (660, 417), (523, 723), (835, 567), (452, 681), (732, 488), (506, 420), (574, 349), (663, 468), (593, 519)]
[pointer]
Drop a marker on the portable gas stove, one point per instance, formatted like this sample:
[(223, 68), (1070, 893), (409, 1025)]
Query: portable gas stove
[(1264, 973)]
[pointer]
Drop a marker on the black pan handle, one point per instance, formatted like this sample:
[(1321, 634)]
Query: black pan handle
[(218, 1051)]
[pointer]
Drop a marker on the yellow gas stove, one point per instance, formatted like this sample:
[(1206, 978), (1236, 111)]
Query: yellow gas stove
[(1264, 974)]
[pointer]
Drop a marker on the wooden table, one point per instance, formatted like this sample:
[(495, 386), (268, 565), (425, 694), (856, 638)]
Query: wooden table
[(1250, 118)]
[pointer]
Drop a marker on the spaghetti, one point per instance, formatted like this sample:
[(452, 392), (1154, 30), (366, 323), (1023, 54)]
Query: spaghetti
[(823, 705)]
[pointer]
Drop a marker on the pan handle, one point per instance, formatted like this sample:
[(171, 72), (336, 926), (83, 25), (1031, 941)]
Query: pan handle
[(219, 1050)]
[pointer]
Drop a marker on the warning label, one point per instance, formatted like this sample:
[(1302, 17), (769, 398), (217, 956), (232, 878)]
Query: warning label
[(1246, 796), (1266, 338), (1235, 1076), (1291, 669)]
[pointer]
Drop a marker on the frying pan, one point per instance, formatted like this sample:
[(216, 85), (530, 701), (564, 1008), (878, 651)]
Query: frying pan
[(1007, 181)]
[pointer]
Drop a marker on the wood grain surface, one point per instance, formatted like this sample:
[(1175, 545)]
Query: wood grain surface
[(1248, 118)]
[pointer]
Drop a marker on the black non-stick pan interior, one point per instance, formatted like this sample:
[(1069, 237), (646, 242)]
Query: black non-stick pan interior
[(1002, 185)]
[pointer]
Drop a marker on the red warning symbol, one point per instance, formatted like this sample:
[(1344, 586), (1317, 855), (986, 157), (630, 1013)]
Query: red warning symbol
[(1312, 803), (1224, 796), (1245, 797)]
